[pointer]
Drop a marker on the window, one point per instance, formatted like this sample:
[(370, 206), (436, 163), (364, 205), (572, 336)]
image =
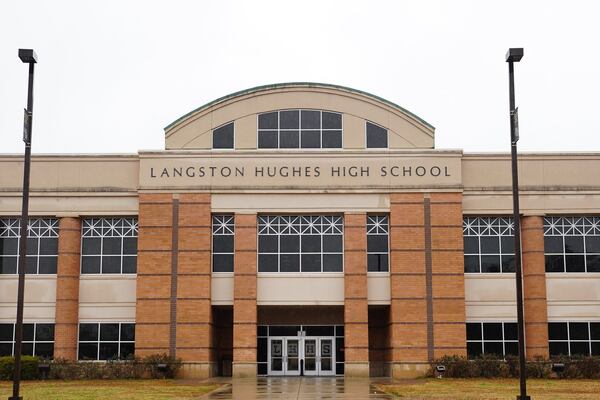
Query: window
[(223, 137), (489, 244), (574, 338), (106, 341), (306, 129), (377, 243), (42, 245), (300, 243), (499, 338), (38, 340), (222, 243), (572, 244), (109, 246), (377, 137)]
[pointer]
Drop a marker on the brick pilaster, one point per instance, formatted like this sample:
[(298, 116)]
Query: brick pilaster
[(447, 275), (67, 289), (244, 296), (194, 338), (356, 310), (534, 287)]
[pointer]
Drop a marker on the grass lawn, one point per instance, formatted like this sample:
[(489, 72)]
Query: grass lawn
[(110, 389), (450, 389)]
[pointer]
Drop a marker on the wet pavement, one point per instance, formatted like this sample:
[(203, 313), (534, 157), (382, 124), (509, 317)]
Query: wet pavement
[(299, 388)]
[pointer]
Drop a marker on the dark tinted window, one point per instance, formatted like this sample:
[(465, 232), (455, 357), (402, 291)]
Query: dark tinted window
[(377, 137), (223, 137)]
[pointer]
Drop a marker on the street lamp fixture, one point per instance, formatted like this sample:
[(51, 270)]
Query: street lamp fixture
[(512, 56), (28, 56)]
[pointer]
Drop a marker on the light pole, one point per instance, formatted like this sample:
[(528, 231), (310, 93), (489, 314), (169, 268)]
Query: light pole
[(28, 56), (512, 56)]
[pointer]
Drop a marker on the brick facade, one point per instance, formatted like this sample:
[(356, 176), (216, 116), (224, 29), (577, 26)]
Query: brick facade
[(67, 289), (244, 296), (534, 287), (356, 310)]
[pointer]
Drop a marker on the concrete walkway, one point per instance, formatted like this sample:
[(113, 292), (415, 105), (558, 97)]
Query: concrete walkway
[(299, 388)]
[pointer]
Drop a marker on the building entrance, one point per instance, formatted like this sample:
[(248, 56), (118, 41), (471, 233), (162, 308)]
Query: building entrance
[(296, 355)]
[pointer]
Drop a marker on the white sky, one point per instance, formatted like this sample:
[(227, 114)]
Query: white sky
[(112, 74)]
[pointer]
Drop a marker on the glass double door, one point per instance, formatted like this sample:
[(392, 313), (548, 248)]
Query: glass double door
[(300, 355)]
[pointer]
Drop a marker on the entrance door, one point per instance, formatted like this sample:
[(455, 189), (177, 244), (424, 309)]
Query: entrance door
[(284, 356), (292, 357), (319, 356), (310, 357), (276, 356)]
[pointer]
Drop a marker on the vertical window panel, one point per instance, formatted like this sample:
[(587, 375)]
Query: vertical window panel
[(106, 341), (42, 245), (222, 243), (572, 244), (488, 244), (109, 245), (378, 243)]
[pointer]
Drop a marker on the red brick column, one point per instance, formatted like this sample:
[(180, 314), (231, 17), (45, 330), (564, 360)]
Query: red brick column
[(67, 289), (534, 287), (408, 309), (356, 309), (244, 296), (447, 270), (194, 313), (153, 306)]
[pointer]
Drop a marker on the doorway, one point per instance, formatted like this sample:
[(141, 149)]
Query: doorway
[(296, 355)]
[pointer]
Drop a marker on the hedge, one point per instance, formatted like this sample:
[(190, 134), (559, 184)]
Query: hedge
[(29, 367)]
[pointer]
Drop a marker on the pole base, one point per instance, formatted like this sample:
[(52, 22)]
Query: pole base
[(519, 397), (15, 398)]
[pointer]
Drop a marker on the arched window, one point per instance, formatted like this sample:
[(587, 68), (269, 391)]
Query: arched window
[(223, 137), (295, 129)]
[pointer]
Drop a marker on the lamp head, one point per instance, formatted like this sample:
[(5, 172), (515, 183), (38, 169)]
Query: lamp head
[(514, 54), (28, 56)]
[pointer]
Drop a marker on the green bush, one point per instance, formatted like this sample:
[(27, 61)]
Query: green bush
[(153, 360), (456, 367), (29, 368)]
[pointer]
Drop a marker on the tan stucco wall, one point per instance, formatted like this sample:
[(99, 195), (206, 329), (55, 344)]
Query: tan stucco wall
[(300, 288), (573, 296), (378, 288), (107, 298), (195, 130), (490, 297), (40, 298)]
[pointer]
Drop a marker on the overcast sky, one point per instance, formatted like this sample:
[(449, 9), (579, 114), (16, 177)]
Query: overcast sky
[(112, 74)]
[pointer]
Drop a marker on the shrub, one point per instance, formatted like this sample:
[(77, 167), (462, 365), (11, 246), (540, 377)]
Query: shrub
[(456, 367), (153, 360), (489, 366), (29, 367)]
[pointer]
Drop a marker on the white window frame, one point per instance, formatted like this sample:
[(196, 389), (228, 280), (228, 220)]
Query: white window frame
[(377, 229), (589, 341), (98, 341), (34, 342), (483, 340), (488, 226), (580, 226), (219, 229)]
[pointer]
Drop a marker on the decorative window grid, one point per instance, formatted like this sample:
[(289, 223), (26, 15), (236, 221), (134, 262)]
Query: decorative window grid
[(109, 246), (223, 229), (378, 253), (300, 243), (42, 245), (489, 244), (38, 340), (300, 129), (106, 341), (574, 338), (572, 244), (499, 338)]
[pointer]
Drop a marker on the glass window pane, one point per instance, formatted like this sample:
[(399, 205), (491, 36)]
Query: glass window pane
[(223, 137), (471, 264), (262, 369), (27, 349), (289, 243), (473, 331), (492, 331), (490, 245), (289, 139), (28, 331), (88, 351), (32, 246), (289, 263), (376, 136), (267, 243), (289, 119), (319, 330), (332, 263), (311, 262), (332, 120), (592, 244), (580, 348), (474, 349), (267, 263), (49, 246), (262, 330), (311, 119), (6, 332), (8, 265), (267, 140), (31, 265), (573, 244), (595, 330), (6, 349), (596, 348), (111, 264), (555, 263), (9, 246), (261, 351), (111, 245), (593, 263), (223, 243), (45, 350), (508, 263), (109, 332), (109, 351), (128, 332), (377, 243), (490, 264), (311, 243), (47, 264), (557, 331), (127, 351), (332, 244), (471, 244), (287, 330), (223, 262), (90, 246), (575, 263), (130, 245), (508, 244), (129, 264), (332, 139), (44, 332), (268, 120), (558, 348), (88, 332), (377, 262), (553, 244), (578, 331), (511, 331), (494, 348), (310, 139), (511, 348)]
